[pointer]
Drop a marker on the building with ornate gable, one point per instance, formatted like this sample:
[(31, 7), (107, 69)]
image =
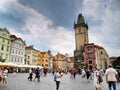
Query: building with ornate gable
[(17, 50), (95, 55), (45, 59), (60, 61)]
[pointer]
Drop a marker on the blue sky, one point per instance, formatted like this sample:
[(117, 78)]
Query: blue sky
[(48, 24)]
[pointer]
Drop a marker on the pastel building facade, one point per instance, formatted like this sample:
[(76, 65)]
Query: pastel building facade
[(5, 45), (17, 50)]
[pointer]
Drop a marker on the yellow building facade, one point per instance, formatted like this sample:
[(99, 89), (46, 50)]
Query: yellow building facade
[(43, 59), (101, 57)]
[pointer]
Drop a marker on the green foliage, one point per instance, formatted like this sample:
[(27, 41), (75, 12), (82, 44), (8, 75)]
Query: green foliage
[(116, 63)]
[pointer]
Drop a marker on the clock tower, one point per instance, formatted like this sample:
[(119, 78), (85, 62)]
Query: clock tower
[(81, 38)]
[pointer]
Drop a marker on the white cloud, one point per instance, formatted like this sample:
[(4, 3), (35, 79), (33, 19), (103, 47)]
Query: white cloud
[(41, 33), (104, 31)]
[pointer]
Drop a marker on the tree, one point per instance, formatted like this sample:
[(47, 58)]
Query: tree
[(116, 63)]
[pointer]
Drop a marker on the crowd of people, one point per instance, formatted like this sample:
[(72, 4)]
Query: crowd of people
[(111, 76)]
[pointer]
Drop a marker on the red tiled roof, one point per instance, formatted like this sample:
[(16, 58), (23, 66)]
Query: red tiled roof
[(29, 47), (43, 52), (99, 47), (13, 37), (60, 55)]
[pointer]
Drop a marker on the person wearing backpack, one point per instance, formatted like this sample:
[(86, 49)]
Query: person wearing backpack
[(58, 78), (96, 79)]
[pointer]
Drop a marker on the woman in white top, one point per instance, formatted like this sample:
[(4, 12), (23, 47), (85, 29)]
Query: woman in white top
[(58, 78), (96, 79), (5, 75)]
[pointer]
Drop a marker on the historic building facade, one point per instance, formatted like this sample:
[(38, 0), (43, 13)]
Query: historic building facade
[(31, 55), (45, 59), (81, 38), (60, 61), (5, 45), (70, 63), (95, 56), (17, 50)]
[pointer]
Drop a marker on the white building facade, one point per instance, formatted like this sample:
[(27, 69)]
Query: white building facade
[(17, 50)]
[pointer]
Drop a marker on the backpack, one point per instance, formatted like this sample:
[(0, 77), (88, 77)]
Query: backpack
[(55, 77), (100, 77)]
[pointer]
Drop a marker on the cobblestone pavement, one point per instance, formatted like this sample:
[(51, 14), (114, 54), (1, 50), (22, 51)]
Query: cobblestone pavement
[(20, 82)]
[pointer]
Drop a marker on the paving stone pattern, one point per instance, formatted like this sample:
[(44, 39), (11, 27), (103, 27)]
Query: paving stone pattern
[(20, 82)]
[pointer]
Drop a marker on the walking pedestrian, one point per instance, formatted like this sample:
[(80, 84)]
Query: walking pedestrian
[(71, 73), (37, 75), (111, 77), (96, 79), (87, 75), (59, 74), (30, 75), (74, 73), (83, 75)]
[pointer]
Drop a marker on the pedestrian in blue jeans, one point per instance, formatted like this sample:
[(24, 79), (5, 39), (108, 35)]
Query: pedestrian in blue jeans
[(111, 78)]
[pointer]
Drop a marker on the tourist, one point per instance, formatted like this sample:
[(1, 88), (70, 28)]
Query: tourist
[(59, 74), (87, 75), (96, 79), (111, 77), (71, 73), (83, 75), (30, 75), (37, 75), (4, 78)]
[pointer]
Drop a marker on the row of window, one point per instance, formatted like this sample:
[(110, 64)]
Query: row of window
[(17, 52), (4, 34), (43, 60), (4, 48), (2, 40), (17, 45), (17, 59)]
